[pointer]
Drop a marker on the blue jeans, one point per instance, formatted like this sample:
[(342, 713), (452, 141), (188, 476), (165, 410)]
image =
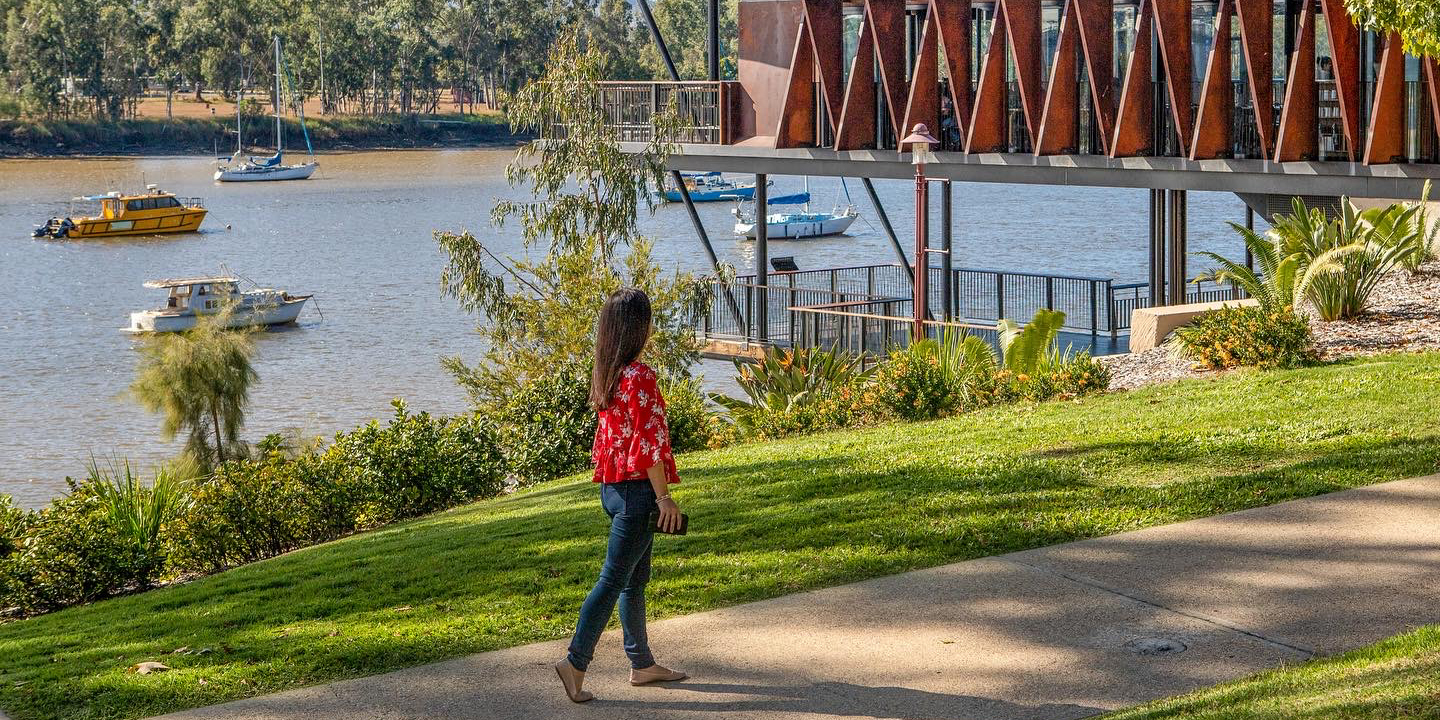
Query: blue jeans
[(623, 578)]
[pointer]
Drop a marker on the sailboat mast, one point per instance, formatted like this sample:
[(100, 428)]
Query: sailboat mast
[(279, 139)]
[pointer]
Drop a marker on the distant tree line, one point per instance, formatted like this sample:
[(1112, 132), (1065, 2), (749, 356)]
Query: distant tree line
[(97, 58)]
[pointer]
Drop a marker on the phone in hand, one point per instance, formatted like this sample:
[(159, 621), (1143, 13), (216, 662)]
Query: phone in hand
[(655, 524)]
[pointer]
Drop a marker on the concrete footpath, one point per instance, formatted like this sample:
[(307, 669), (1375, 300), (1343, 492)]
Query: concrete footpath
[(1050, 634)]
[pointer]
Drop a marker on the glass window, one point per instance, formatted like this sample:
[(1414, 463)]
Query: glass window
[(133, 204), (148, 204), (850, 38), (1049, 37), (168, 202)]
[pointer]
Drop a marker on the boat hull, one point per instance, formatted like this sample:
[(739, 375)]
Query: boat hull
[(796, 230), (264, 174), (89, 228), (709, 195), (160, 321)]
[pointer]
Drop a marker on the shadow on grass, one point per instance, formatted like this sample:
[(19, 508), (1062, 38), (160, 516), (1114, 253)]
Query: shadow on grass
[(514, 571)]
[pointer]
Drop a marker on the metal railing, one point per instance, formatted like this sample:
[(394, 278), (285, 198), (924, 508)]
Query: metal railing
[(870, 328), (629, 108), (1129, 297), (777, 311)]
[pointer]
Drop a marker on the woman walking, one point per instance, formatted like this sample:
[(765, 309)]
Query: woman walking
[(634, 467)]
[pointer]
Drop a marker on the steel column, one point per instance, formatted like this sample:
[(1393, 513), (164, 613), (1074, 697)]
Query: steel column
[(705, 242), (1177, 251), (659, 41), (762, 259), (1157, 248), (889, 229), (946, 256), (714, 40), (921, 296), (1249, 225)]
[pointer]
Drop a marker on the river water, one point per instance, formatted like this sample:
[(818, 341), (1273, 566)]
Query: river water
[(358, 235)]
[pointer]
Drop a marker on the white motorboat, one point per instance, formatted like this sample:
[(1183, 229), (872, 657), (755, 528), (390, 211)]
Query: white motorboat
[(193, 297), (238, 168)]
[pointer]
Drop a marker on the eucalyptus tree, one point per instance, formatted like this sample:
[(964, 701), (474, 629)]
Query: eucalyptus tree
[(199, 381), (582, 221), (1417, 21)]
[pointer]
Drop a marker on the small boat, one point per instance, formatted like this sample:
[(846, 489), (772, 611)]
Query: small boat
[(149, 213), (707, 187), (259, 169), (193, 297), (803, 224)]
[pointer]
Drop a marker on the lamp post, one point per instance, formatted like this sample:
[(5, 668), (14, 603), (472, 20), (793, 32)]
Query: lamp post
[(920, 141)]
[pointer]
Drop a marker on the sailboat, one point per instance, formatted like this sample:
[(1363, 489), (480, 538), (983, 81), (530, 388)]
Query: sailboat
[(803, 224), (254, 169)]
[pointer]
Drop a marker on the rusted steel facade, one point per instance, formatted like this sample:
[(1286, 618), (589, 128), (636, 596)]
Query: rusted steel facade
[(1280, 80)]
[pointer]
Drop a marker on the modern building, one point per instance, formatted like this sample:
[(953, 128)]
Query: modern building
[(1269, 99)]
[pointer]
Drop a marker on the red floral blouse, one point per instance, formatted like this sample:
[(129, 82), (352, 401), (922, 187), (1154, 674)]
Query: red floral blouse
[(633, 436)]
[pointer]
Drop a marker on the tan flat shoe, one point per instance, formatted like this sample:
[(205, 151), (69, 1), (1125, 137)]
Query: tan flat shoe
[(655, 673), (571, 679)]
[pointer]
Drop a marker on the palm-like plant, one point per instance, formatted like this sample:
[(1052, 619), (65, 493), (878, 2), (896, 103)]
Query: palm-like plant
[(1032, 348), (200, 381), (784, 379), (139, 511), (1332, 264)]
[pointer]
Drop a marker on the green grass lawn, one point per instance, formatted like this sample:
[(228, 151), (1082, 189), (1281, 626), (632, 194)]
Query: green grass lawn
[(1395, 679), (766, 519)]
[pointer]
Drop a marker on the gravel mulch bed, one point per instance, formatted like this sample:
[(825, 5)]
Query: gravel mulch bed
[(1403, 314)]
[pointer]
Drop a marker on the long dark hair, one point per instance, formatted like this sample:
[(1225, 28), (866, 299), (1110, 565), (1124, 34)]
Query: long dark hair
[(620, 336)]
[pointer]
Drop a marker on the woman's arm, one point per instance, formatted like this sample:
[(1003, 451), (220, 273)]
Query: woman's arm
[(669, 509)]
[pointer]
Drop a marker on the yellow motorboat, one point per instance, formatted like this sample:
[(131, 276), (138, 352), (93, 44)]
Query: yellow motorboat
[(148, 213)]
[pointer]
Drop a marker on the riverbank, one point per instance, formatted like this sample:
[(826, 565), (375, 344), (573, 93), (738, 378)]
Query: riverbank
[(216, 135), (770, 519)]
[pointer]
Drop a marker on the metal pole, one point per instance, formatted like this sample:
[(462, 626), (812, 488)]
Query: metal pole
[(762, 257), (1178, 241), (705, 241), (1249, 225), (889, 230), (659, 41), (922, 243), (1157, 248), (714, 40), (946, 258)]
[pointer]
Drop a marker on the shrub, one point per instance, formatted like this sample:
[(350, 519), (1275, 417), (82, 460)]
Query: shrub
[(911, 385), (790, 392), (288, 498), (1236, 336), (692, 425), (254, 509), (1071, 376), (419, 463), (548, 428), (71, 552)]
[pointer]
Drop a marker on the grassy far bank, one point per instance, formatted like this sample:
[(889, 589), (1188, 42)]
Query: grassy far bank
[(187, 135), (1394, 679), (767, 519)]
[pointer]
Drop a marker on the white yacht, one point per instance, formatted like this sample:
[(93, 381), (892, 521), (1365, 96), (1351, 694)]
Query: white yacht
[(259, 169), (193, 297)]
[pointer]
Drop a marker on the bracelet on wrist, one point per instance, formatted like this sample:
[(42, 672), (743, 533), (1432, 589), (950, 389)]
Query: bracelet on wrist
[(664, 497)]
